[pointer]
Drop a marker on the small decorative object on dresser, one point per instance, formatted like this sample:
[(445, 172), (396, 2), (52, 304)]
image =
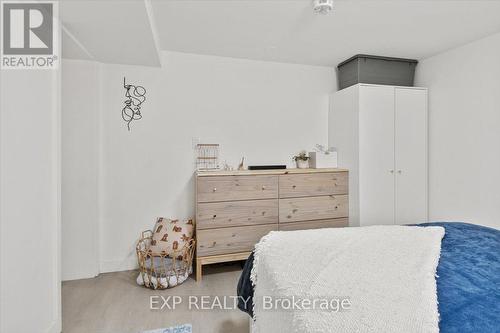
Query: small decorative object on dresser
[(226, 167), (267, 167), (234, 209), (208, 156), (323, 157), (241, 166), (302, 160)]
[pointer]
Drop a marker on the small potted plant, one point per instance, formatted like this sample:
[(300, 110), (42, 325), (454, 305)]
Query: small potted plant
[(302, 160)]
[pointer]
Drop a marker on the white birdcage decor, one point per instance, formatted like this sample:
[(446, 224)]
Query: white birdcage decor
[(208, 156)]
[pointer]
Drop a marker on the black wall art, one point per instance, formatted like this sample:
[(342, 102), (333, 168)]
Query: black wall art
[(135, 96)]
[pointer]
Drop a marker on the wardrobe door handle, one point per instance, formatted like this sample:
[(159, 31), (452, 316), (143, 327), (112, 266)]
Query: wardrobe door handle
[(400, 172), (391, 171)]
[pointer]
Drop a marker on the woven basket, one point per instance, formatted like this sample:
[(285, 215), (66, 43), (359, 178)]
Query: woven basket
[(162, 270)]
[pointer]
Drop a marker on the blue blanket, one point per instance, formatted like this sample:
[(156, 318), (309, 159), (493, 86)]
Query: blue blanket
[(468, 283)]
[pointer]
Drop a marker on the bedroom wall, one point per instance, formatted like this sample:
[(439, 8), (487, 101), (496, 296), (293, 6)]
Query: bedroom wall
[(261, 110), (464, 123), (30, 201), (80, 158)]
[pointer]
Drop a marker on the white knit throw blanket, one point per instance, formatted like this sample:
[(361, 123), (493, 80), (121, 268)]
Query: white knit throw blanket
[(387, 274)]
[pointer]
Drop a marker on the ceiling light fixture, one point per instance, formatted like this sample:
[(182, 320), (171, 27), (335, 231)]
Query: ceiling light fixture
[(322, 6)]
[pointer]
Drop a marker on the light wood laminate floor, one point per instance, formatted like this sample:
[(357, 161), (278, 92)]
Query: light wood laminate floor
[(114, 303)]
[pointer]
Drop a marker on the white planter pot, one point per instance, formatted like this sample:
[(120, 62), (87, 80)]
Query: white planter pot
[(302, 164)]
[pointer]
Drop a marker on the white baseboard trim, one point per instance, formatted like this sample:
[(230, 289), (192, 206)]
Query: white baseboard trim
[(127, 264), (79, 276)]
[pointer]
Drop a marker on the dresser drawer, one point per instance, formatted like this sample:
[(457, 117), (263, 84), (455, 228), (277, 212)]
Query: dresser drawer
[(236, 213), (316, 224), (305, 185), (228, 188), (230, 240), (313, 208)]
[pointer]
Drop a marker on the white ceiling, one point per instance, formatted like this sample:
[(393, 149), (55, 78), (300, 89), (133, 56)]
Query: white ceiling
[(72, 48), (276, 30), (110, 31)]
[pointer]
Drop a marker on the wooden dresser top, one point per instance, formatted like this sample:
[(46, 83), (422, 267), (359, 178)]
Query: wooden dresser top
[(266, 172)]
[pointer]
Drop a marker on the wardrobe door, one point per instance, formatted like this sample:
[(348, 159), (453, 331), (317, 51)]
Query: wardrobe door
[(376, 155), (411, 155)]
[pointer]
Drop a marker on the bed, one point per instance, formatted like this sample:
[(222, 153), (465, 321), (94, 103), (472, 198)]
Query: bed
[(468, 279)]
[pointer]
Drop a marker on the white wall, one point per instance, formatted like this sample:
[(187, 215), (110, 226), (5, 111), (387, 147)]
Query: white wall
[(464, 132), (261, 110), (29, 201), (80, 158)]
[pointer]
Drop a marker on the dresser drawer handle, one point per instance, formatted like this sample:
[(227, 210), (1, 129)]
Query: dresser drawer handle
[(215, 215), (263, 187), (215, 189), (294, 186)]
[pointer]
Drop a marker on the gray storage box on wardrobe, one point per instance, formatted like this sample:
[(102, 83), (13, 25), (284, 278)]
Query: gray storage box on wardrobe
[(376, 70)]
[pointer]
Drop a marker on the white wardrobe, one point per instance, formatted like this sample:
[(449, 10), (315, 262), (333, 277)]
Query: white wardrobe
[(380, 133)]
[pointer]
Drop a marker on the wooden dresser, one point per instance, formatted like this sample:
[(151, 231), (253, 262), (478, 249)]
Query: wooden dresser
[(234, 209)]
